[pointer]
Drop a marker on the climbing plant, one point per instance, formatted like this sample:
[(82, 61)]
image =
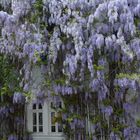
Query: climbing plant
[(89, 53), (12, 100)]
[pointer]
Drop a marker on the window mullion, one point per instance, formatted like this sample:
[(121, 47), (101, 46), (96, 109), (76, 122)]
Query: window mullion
[(37, 122)]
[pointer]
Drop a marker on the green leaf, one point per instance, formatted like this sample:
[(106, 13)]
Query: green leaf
[(138, 123)]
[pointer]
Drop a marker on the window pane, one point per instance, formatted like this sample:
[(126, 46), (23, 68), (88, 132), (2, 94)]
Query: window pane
[(60, 104), (34, 106), (52, 105), (40, 128), (34, 129), (34, 119), (59, 127), (52, 117), (40, 106), (40, 119), (53, 129)]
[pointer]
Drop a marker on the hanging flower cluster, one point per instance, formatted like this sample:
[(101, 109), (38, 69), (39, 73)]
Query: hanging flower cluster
[(91, 51), (18, 98)]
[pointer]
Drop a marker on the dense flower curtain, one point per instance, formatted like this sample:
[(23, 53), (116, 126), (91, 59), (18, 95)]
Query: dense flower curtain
[(89, 51)]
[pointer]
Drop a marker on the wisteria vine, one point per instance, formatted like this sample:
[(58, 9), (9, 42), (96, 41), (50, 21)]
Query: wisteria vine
[(89, 52)]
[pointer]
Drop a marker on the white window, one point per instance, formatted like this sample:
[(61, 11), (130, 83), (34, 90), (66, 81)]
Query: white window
[(42, 121), (37, 118)]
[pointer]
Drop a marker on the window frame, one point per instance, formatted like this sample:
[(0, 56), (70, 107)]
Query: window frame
[(37, 111), (51, 110), (46, 119)]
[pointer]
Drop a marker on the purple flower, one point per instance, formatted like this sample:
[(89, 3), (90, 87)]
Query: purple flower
[(72, 125), (40, 94), (119, 96), (101, 62), (107, 110), (3, 16), (19, 121), (133, 84), (114, 136), (123, 18), (28, 137), (123, 83), (99, 41), (100, 74), (81, 123), (137, 10), (4, 111), (12, 137), (127, 132), (105, 28), (64, 116), (127, 107), (108, 42), (26, 87), (95, 84), (102, 94), (18, 98)]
